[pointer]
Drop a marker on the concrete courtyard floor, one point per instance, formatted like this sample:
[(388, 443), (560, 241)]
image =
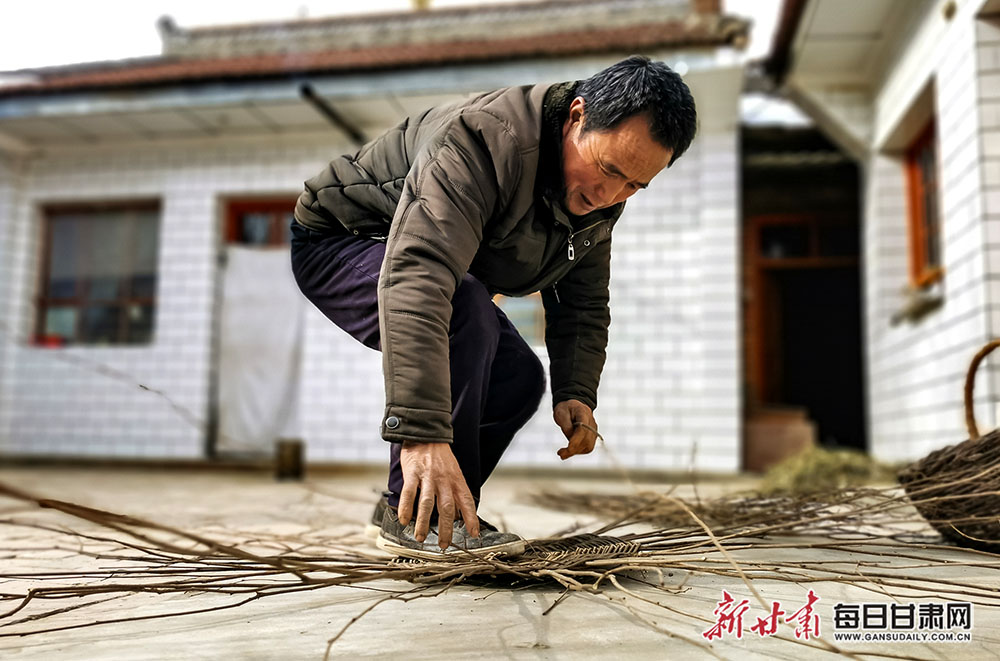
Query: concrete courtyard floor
[(463, 622)]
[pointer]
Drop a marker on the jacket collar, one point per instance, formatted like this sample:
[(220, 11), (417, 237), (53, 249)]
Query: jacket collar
[(555, 110), (549, 180)]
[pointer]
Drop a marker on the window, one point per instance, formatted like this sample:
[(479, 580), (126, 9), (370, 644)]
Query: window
[(260, 223), (925, 229), (803, 239), (98, 277)]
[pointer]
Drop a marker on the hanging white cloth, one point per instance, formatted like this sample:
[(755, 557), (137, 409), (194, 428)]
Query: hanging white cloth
[(260, 351)]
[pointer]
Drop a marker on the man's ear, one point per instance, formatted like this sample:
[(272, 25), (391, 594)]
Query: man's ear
[(576, 110)]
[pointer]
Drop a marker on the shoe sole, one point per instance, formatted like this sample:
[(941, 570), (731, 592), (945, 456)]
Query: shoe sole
[(508, 549)]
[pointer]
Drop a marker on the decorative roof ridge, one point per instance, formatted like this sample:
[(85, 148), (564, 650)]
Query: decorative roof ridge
[(525, 6)]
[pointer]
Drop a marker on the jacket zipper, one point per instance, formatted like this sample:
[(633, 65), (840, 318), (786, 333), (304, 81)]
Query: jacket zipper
[(571, 251)]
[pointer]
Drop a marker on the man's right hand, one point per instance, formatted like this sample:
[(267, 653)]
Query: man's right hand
[(432, 468)]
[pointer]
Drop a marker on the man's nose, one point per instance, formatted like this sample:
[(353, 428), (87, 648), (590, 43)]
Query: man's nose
[(623, 194), (610, 192)]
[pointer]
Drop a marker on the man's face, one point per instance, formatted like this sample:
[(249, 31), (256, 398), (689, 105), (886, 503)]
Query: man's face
[(603, 168)]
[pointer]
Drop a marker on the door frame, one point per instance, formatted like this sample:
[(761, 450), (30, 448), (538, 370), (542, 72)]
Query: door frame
[(761, 314)]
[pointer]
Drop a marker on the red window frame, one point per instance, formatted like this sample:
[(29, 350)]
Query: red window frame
[(83, 296), (277, 208), (922, 177)]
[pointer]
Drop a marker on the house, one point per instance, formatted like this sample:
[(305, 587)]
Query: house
[(146, 302), (910, 92)]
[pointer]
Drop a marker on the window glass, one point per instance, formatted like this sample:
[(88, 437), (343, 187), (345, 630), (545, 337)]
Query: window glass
[(145, 257), (930, 205), (255, 228), (105, 259), (838, 240), (60, 322), (99, 324), (140, 323), (286, 226), (64, 258), (925, 230), (261, 223), (783, 241)]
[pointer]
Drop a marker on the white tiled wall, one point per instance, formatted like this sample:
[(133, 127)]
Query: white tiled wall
[(11, 267), (916, 370), (669, 399), (987, 204)]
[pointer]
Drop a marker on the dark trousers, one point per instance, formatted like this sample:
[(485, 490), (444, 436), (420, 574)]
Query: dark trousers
[(497, 380)]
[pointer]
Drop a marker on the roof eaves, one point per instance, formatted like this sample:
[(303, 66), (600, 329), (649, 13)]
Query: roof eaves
[(84, 67), (779, 60)]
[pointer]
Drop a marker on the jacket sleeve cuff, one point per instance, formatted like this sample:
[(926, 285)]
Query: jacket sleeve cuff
[(425, 426), (563, 395)]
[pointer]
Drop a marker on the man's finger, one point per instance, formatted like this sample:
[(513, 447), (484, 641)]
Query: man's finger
[(424, 512), (446, 519), (406, 498), (576, 444), (467, 505), (579, 440)]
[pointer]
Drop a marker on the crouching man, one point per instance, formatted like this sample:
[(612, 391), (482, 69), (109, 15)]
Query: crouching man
[(404, 244)]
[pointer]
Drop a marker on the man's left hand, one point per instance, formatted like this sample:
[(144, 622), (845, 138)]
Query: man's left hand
[(571, 415)]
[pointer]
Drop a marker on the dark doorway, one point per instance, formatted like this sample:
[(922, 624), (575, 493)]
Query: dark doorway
[(820, 350), (802, 303)]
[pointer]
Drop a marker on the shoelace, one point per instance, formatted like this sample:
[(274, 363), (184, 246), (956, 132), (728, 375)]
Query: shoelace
[(483, 525)]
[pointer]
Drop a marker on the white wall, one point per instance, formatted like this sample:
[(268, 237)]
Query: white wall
[(987, 144), (12, 268)]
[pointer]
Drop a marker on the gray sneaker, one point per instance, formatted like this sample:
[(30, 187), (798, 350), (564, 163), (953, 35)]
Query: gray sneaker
[(400, 540), (374, 525)]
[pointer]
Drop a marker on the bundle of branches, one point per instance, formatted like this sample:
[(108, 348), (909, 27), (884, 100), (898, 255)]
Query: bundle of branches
[(952, 500), (836, 513)]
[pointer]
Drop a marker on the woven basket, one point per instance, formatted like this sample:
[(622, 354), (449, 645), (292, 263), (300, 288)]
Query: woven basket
[(957, 488)]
